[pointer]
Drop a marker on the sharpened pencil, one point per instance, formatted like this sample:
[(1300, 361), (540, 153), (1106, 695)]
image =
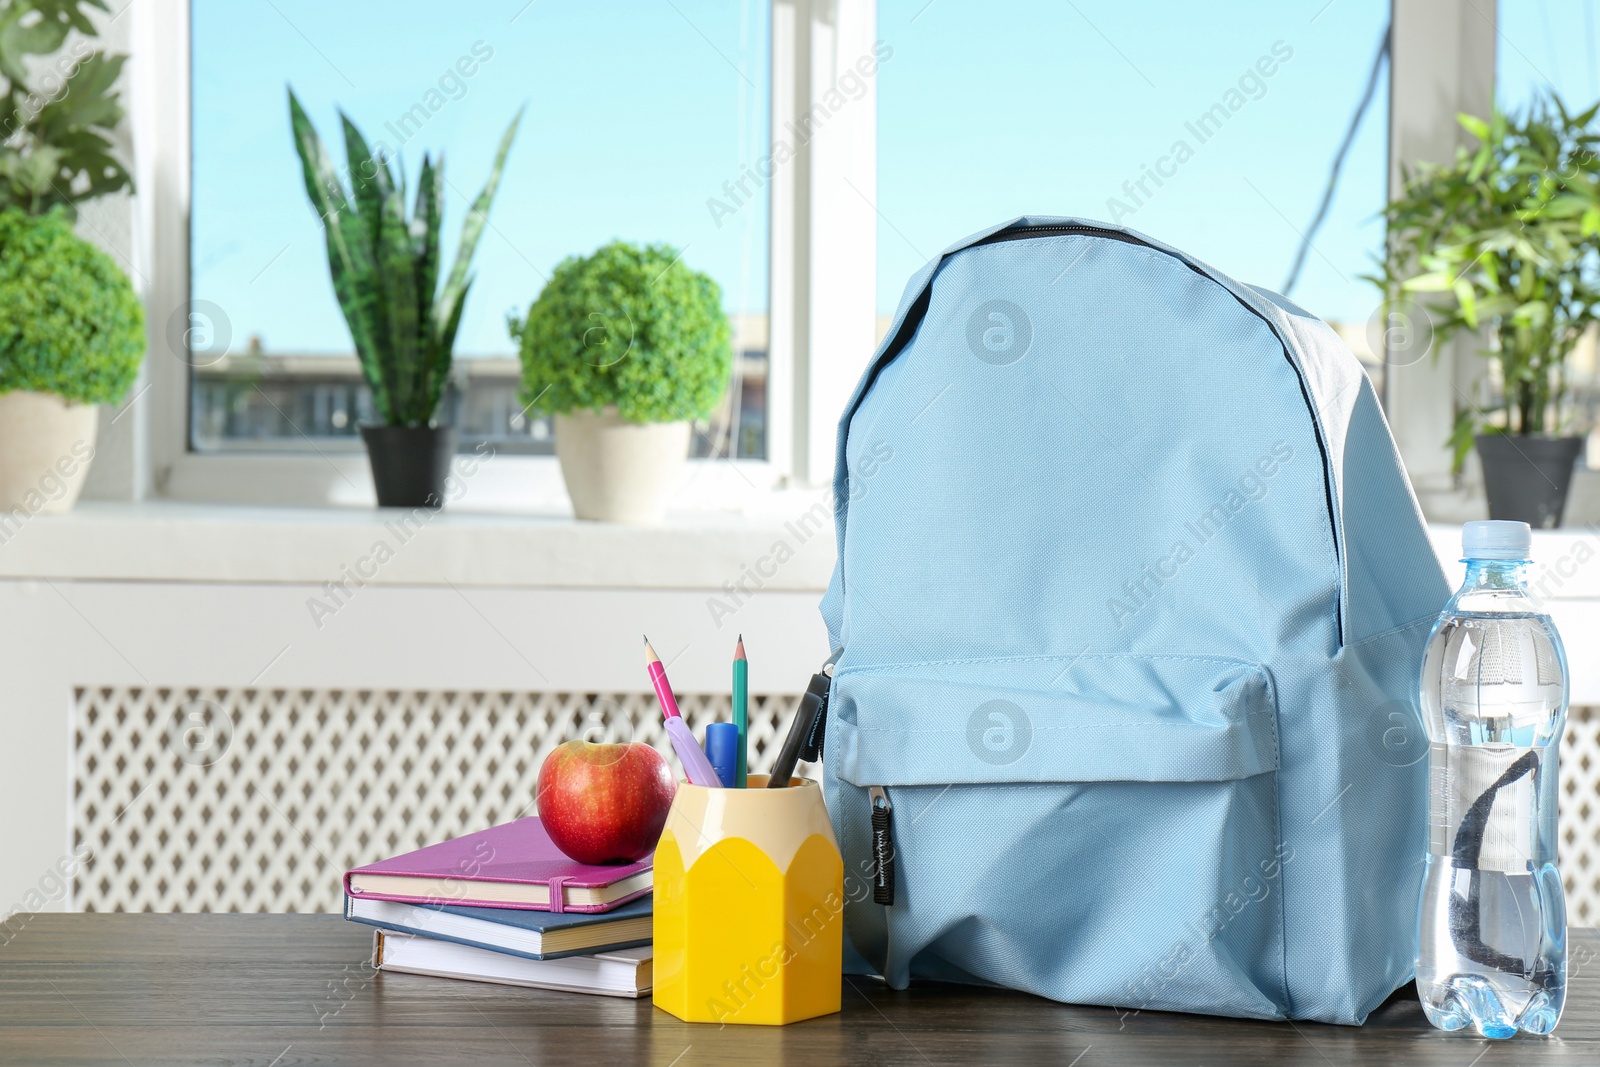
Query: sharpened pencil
[(741, 711)]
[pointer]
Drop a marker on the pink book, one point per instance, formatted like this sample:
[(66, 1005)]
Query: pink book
[(511, 866)]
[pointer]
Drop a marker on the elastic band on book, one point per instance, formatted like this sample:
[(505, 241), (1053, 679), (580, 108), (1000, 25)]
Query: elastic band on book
[(558, 893)]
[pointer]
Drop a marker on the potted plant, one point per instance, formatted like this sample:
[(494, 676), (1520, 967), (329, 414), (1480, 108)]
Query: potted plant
[(71, 327), (625, 348), (403, 322), (71, 337), (1506, 239)]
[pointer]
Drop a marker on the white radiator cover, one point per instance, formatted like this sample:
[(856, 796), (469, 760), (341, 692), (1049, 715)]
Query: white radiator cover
[(265, 812), (259, 799), (1580, 815)]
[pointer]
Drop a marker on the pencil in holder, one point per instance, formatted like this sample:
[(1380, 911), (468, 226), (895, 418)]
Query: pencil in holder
[(749, 903)]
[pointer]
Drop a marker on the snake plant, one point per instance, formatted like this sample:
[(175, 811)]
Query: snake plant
[(385, 266)]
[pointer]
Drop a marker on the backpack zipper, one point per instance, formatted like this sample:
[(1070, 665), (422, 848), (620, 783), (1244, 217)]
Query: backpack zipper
[(1023, 233), (882, 845)]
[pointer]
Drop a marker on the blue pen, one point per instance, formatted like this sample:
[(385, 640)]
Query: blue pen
[(722, 748)]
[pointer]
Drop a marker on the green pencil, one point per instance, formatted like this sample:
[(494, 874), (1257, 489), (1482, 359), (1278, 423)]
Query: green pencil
[(741, 711)]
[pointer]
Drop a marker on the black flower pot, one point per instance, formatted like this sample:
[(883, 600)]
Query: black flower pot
[(410, 463), (1527, 477)]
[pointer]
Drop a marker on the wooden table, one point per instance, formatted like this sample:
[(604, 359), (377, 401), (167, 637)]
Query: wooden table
[(295, 989)]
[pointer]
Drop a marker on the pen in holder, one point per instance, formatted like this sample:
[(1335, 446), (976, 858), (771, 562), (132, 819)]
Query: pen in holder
[(749, 900)]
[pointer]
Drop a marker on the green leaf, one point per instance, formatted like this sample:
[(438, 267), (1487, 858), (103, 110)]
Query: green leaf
[(59, 153), (440, 354), (367, 178), (1567, 206), (397, 281), (1534, 313), (39, 27), (394, 322), (323, 187), (455, 287), (1473, 125), (1438, 282), (1467, 299), (1491, 273), (349, 254), (1480, 162), (425, 221), (89, 99), (424, 233)]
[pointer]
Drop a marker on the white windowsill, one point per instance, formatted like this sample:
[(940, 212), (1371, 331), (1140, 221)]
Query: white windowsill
[(789, 534), (785, 545), (498, 482)]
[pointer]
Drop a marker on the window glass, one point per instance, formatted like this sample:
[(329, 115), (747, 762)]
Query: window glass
[(635, 120), (1544, 47), (1212, 127)]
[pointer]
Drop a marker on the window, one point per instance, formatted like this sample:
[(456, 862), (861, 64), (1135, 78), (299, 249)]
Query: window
[(635, 120), (1215, 135), (1546, 47)]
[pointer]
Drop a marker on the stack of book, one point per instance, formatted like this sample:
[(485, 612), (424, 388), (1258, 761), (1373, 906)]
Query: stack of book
[(505, 905)]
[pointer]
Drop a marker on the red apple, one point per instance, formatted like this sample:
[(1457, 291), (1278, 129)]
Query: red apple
[(605, 803)]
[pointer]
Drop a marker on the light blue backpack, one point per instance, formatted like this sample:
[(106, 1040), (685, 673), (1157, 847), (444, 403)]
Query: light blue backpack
[(1131, 596)]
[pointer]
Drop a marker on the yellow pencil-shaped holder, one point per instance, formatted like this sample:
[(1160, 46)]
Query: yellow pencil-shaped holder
[(749, 903)]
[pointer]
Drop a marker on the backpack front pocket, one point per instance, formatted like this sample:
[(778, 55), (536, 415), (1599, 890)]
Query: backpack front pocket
[(1099, 829)]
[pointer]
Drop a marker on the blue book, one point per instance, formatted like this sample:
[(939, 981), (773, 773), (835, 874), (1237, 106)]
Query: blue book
[(534, 935)]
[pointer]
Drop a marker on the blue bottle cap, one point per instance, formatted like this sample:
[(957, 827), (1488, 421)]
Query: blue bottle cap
[(722, 748)]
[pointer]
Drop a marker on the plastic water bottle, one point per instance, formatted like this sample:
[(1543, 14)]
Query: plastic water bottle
[(1492, 944)]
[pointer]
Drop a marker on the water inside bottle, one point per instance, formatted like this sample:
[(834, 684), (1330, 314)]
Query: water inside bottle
[(1492, 925)]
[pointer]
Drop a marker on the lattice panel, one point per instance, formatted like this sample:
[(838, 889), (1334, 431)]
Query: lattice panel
[(259, 800), (1580, 816)]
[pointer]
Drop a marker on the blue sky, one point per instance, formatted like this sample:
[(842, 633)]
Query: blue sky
[(1016, 106), (632, 123), (1548, 43), (986, 110)]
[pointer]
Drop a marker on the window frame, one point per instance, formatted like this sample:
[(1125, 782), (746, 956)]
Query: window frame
[(820, 301), (1442, 62), (822, 251)]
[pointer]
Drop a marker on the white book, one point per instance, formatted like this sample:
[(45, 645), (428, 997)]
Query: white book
[(624, 972)]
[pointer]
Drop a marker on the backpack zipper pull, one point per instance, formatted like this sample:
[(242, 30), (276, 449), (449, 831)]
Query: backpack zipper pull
[(819, 688), (882, 845)]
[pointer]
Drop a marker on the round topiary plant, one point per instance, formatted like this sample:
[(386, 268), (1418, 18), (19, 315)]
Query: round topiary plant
[(70, 322), (631, 327)]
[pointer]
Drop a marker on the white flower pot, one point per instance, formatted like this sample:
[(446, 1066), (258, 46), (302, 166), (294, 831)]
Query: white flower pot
[(46, 444), (620, 471)]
